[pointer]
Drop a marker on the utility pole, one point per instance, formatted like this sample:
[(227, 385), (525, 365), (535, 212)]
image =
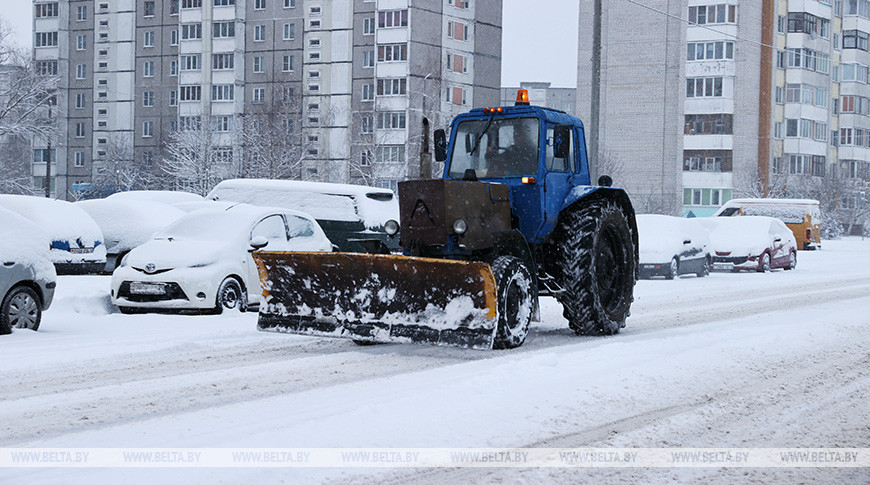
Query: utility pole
[(48, 154), (596, 93)]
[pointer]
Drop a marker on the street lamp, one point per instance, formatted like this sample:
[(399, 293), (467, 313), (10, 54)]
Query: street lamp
[(47, 157)]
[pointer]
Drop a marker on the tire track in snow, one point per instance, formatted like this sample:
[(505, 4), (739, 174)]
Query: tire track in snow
[(105, 392)]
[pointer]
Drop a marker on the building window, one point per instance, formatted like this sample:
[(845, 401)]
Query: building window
[(856, 39), (780, 59), (173, 67), (45, 39), (173, 98), (780, 24), (392, 87), (392, 18), (778, 95), (858, 7), (79, 159), (808, 59), (148, 99), (191, 3), (365, 158), (80, 130), (289, 31), (173, 37), (712, 124), (224, 3), (798, 164), (81, 71), (459, 3), (314, 24), (391, 120), (313, 56), (191, 62), (222, 92), (190, 93), (777, 130), (259, 96), (368, 92), (259, 33), (287, 64), (391, 154), (189, 123), (46, 68), (457, 63), (173, 7), (704, 87), (221, 62), (81, 100), (148, 69), (457, 96), (259, 64), (221, 30), (457, 30), (369, 58), (147, 129), (148, 39), (81, 42), (191, 31), (392, 52), (713, 14), (314, 88), (260, 5), (369, 26), (81, 13), (222, 124), (45, 10), (148, 10), (289, 3), (367, 124)]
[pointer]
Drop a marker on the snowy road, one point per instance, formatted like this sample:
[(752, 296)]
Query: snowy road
[(733, 360)]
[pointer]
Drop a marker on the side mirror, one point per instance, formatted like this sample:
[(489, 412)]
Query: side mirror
[(687, 241), (440, 138), (258, 242), (561, 141)]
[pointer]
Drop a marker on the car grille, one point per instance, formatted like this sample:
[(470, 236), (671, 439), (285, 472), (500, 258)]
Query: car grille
[(171, 292), (156, 271)]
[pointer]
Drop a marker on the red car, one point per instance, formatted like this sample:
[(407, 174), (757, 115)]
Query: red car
[(751, 243)]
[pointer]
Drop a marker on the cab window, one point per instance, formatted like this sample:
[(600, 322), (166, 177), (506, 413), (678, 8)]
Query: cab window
[(299, 227), (558, 164)]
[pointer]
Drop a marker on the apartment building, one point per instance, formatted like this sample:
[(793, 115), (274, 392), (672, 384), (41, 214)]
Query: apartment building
[(543, 94), (764, 97), (338, 89)]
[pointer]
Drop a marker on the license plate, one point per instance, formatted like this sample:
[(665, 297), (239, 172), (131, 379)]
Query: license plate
[(723, 265), (81, 250), (147, 288)]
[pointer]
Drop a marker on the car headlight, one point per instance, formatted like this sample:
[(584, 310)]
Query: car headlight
[(460, 226), (391, 227)]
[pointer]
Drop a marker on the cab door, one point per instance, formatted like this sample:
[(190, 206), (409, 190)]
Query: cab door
[(559, 173)]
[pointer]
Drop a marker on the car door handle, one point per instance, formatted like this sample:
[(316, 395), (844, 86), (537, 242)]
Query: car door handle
[(687, 241), (8, 263), (777, 240)]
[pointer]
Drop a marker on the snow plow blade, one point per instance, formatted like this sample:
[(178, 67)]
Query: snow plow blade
[(378, 298)]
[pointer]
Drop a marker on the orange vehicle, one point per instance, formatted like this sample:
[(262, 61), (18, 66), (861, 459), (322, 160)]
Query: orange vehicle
[(802, 216)]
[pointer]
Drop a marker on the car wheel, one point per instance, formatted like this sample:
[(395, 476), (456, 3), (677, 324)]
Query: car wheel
[(764, 265), (673, 269), (230, 296), (20, 309), (792, 261)]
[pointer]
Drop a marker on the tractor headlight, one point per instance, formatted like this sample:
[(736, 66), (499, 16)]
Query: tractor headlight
[(391, 227), (460, 226)]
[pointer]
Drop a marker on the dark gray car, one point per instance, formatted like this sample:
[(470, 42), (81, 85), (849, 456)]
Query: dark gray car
[(27, 277)]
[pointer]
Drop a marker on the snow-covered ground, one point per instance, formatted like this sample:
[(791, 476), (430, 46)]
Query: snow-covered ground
[(732, 360)]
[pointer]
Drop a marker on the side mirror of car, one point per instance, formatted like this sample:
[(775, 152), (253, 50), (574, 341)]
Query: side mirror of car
[(258, 242)]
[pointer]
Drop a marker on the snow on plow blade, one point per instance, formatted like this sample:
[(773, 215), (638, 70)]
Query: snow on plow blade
[(378, 298)]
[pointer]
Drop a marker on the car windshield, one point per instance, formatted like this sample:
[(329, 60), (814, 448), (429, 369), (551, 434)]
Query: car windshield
[(497, 147), (206, 226)]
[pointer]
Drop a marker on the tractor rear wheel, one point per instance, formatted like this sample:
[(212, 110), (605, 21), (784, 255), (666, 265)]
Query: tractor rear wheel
[(595, 258)]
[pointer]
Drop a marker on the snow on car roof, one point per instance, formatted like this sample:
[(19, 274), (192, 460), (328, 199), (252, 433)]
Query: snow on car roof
[(772, 201), (324, 201), (129, 222), (165, 196), (60, 219), (220, 223), (25, 242)]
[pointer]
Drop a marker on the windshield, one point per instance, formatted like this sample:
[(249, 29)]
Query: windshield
[(501, 147), (206, 226)]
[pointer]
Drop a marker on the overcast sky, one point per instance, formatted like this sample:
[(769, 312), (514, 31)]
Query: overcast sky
[(539, 41)]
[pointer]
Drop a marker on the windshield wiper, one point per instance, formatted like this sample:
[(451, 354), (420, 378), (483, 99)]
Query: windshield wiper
[(480, 136)]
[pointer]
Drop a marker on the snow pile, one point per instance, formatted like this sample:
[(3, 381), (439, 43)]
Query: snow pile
[(129, 223), (324, 201)]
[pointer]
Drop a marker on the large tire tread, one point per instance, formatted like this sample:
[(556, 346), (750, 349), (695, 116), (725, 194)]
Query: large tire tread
[(515, 302)]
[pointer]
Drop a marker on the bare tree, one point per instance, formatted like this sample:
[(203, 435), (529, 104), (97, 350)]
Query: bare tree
[(195, 161), (26, 88)]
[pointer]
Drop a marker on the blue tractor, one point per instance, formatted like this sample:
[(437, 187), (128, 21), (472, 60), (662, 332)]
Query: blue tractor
[(513, 218)]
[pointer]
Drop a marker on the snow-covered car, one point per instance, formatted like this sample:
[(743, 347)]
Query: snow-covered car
[(757, 243), (128, 223), (76, 242), (203, 260), (27, 277), (671, 246), (171, 197), (349, 214)]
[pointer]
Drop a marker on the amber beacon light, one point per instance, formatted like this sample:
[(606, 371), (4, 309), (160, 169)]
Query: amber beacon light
[(522, 97)]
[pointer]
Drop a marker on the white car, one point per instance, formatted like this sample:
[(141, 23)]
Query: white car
[(671, 246), (128, 223), (203, 260), (27, 277), (76, 241)]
